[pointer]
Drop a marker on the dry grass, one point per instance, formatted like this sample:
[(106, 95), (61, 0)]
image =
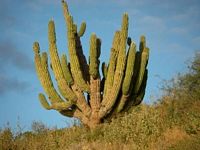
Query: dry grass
[(171, 124), (145, 127), (170, 137)]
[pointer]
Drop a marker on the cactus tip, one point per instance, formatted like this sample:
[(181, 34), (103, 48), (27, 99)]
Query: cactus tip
[(44, 54), (41, 95), (51, 19), (93, 34), (36, 47), (129, 41), (142, 38), (51, 22), (126, 14)]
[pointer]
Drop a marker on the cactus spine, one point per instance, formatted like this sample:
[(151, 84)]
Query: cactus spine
[(124, 78)]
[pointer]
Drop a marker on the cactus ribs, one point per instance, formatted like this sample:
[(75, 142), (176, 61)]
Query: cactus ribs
[(121, 87)]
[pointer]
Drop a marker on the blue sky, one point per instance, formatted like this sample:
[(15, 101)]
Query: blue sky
[(172, 29)]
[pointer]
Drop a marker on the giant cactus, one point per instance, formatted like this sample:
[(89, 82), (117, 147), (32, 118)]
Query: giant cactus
[(81, 91)]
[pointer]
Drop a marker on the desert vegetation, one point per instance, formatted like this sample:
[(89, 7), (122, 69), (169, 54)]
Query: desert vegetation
[(172, 123), (104, 105)]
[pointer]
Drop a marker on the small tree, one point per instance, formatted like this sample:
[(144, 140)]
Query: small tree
[(121, 87), (38, 126), (191, 80), (187, 83)]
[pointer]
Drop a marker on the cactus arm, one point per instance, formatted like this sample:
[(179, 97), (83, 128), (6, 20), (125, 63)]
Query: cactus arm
[(82, 29), (128, 77), (112, 65), (136, 99), (95, 95), (70, 112), (142, 43), (77, 43), (44, 102), (110, 74), (129, 41), (61, 105), (56, 106), (144, 54), (122, 102), (140, 73), (81, 103), (119, 72), (41, 66), (129, 69), (136, 68), (66, 71), (141, 92), (67, 113), (65, 8), (98, 48), (75, 64), (94, 62), (75, 112), (56, 65), (104, 69), (82, 59)]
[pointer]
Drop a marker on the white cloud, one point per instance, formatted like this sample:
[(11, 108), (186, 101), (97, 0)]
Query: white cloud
[(11, 84), (179, 30), (38, 5), (188, 14), (153, 22), (180, 51), (196, 40)]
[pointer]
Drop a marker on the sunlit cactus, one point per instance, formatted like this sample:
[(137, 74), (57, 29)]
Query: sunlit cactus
[(81, 91)]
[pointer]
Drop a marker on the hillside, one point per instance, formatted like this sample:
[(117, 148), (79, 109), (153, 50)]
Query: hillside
[(172, 123)]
